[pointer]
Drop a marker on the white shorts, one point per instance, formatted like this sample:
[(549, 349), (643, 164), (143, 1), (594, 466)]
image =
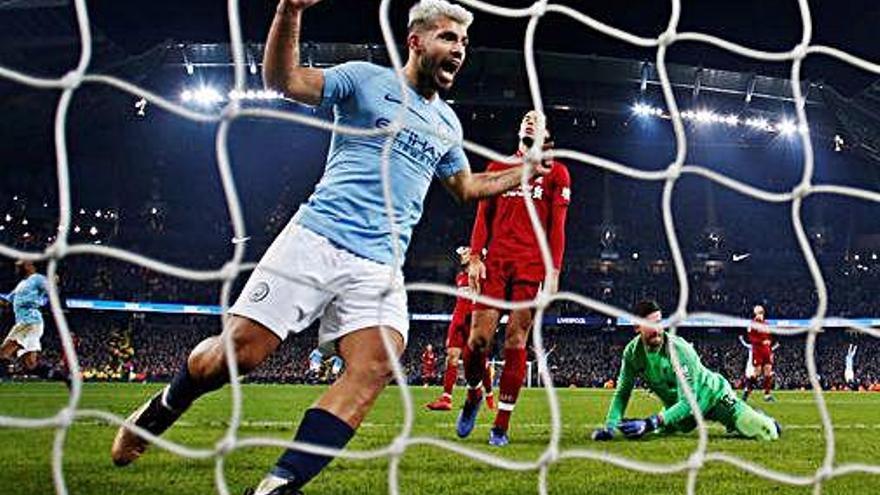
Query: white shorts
[(303, 277), (27, 335), (849, 375)]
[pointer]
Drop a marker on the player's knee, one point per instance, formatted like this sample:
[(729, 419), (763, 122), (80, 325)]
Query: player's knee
[(515, 340), (453, 355), (520, 323), (479, 342), (7, 351)]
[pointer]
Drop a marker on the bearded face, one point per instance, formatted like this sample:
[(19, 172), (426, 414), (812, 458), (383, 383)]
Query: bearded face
[(441, 51)]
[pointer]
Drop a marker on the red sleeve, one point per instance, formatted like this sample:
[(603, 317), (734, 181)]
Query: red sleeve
[(558, 213), (480, 233)]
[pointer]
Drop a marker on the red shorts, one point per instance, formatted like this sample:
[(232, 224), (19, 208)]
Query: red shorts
[(457, 335), (762, 355), (511, 280)]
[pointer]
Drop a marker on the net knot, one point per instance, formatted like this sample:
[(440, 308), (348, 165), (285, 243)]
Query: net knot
[(823, 473), (673, 172), (66, 417), (58, 249), (225, 446), (696, 461), (800, 52), (543, 299), (550, 456), (801, 191), (539, 8), (677, 318), (71, 80), (230, 111), (394, 128), (666, 38), (397, 447), (229, 270)]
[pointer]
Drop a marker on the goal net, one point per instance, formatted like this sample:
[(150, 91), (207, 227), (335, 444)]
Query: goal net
[(80, 75)]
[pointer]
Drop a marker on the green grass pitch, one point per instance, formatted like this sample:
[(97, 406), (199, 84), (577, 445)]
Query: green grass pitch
[(273, 411)]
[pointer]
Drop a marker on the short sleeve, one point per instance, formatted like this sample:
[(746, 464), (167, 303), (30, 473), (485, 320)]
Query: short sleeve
[(453, 162), (341, 81), (562, 195)]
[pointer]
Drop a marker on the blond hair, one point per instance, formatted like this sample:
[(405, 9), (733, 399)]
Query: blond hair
[(426, 12)]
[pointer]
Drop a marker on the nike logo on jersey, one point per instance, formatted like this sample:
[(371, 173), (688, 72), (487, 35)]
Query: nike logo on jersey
[(393, 99), (740, 257)]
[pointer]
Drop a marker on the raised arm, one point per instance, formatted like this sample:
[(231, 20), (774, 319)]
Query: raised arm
[(282, 71)]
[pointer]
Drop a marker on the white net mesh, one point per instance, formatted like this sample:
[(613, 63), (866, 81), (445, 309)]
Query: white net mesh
[(71, 82)]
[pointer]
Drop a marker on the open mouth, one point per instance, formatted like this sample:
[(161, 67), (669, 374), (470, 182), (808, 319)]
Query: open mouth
[(449, 68)]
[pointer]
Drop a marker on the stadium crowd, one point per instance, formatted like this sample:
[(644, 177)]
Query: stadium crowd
[(152, 347), (125, 347)]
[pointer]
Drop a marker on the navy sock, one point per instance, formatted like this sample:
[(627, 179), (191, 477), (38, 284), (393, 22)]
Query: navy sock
[(43, 371), (318, 427), (184, 389)]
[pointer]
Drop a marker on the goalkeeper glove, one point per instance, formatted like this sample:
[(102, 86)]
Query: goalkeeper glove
[(603, 434), (637, 428)]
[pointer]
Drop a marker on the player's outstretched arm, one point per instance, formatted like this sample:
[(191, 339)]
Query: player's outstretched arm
[(622, 393), (468, 186), (282, 71)]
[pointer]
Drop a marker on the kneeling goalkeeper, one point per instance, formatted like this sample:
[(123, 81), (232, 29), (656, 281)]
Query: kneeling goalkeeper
[(647, 357)]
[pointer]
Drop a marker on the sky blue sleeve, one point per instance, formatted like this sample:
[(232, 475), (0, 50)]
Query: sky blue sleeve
[(43, 285), (341, 81), (453, 162)]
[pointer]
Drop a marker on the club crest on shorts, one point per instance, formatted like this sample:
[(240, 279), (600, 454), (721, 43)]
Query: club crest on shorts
[(260, 292)]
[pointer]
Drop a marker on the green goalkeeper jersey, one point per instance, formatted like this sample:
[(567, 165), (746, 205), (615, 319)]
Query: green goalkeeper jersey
[(656, 371)]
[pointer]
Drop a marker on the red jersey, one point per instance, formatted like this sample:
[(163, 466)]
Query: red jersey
[(502, 224), (429, 363), (460, 326), (758, 337), (464, 303)]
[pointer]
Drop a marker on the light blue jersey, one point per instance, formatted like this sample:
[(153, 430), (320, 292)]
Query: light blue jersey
[(348, 205), (850, 358), (27, 299), (315, 359)]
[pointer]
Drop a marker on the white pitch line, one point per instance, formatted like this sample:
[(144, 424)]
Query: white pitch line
[(291, 424)]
